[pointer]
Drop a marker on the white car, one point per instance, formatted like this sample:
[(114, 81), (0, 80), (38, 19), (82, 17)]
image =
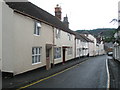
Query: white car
[(110, 55)]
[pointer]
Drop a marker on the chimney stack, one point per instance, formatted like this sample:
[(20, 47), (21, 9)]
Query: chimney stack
[(58, 12), (65, 21)]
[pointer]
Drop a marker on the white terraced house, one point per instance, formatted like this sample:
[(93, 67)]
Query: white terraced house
[(116, 46), (0, 36), (33, 38)]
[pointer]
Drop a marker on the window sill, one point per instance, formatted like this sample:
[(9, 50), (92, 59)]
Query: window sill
[(57, 59), (36, 63), (36, 35)]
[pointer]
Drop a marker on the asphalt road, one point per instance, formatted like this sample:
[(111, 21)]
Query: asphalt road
[(0, 80), (89, 74)]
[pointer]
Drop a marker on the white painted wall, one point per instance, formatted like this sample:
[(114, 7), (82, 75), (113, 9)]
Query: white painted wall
[(0, 35), (25, 40), (91, 37), (64, 41), (18, 40), (91, 49), (78, 46), (101, 48), (7, 39)]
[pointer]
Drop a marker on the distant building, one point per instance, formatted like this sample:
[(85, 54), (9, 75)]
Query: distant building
[(116, 46), (97, 47)]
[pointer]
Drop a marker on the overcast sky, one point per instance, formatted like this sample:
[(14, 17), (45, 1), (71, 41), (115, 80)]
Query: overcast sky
[(84, 14)]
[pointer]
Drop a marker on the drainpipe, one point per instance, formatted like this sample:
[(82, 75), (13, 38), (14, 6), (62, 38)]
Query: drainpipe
[(53, 46), (75, 46)]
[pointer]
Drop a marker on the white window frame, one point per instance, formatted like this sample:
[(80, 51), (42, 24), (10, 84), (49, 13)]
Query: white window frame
[(36, 55), (70, 51), (37, 29), (57, 54), (69, 37), (57, 33)]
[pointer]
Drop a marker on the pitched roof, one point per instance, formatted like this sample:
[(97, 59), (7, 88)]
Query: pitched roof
[(85, 32), (78, 36), (87, 39), (33, 11)]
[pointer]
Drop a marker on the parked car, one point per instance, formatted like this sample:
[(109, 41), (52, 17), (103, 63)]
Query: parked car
[(110, 55)]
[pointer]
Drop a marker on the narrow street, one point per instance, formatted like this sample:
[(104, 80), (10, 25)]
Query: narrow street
[(89, 74)]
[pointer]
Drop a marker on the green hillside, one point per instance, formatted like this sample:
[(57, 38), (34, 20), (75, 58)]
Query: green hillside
[(107, 33)]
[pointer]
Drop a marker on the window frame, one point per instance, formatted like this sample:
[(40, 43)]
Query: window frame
[(70, 51), (69, 37), (58, 33), (37, 28), (36, 55), (57, 55)]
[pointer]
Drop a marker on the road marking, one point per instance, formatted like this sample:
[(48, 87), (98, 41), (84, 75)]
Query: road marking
[(108, 75), (51, 76)]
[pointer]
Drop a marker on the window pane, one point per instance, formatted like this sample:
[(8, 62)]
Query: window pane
[(39, 50), (57, 53), (35, 28), (32, 50), (39, 58), (32, 59), (38, 33), (36, 59), (36, 50)]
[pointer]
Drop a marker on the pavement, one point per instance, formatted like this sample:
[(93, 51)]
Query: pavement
[(40, 73), (114, 69)]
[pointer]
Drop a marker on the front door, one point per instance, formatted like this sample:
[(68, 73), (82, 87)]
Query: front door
[(63, 55), (48, 65)]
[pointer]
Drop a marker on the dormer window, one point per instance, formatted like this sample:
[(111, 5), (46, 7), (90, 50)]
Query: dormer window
[(37, 28)]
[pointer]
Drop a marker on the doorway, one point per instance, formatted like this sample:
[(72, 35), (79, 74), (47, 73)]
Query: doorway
[(48, 56), (63, 55)]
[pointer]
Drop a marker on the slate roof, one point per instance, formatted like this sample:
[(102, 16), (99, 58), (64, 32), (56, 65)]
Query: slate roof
[(78, 36), (33, 11), (87, 39)]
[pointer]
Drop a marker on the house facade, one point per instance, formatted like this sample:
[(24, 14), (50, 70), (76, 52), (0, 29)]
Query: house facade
[(93, 49), (85, 45), (79, 41), (116, 45), (64, 44), (23, 45), (0, 36), (33, 38), (63, 40), (32, 41), (100, 43)]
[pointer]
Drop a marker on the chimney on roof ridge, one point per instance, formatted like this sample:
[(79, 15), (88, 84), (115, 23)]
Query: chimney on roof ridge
[(58, 12), (65, 21)]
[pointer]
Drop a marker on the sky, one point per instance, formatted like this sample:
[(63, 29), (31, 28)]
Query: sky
[(84, 14)]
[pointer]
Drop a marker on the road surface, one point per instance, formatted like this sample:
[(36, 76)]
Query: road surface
[(89, 74)]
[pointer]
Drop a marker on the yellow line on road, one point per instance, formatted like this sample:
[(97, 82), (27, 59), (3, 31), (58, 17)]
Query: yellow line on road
[(50, 76)]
